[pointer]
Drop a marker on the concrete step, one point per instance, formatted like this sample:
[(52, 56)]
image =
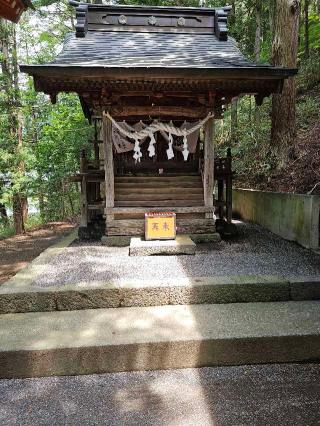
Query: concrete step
[(161, 337), (20, 295)]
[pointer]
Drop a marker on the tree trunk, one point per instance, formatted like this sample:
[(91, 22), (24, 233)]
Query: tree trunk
[(284, 54), (41, 206), (257, 42), (257, 51), (232, 18), (271, 16), (18, 214), (71, 205), (10, 83), (234, 119), (306, 29), (4, 214), (17, 129)]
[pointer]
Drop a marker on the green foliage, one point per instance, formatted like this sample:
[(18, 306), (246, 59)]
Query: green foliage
[(309, 72), (250, 148), (7, 230), (52, 135), (63, 134), (307, 110), (314, 32)]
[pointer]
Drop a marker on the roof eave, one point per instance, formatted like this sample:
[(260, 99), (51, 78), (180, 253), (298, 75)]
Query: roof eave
[(66, 70)]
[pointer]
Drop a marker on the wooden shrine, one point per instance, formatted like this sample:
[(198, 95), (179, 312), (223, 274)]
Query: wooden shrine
[(144, 66)]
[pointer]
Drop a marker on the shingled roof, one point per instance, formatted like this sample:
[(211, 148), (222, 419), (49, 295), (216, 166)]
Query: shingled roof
[(151, 37), (153, 48), (143, 49)]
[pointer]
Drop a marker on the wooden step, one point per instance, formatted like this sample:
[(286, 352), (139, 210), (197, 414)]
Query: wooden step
[(137, 226), (143, 210), (162, 203), (161, 184), (157, 179), (161, 190), (158, 196)]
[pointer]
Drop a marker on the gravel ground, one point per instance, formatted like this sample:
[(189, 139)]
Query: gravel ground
[(253, 251), (286, 394), (17, 251)]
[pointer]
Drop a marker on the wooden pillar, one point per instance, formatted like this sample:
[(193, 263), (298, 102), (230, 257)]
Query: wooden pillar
[(229, 188), (108, 167), (83, 197), (221, 198), (208, 171), (84, 203)]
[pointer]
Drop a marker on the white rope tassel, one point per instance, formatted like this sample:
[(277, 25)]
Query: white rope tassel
[(170, 153), (185, 151), (155, 127), (151, 148), (137, 151)]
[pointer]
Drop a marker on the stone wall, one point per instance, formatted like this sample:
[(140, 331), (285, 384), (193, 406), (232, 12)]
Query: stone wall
[(294, 217)]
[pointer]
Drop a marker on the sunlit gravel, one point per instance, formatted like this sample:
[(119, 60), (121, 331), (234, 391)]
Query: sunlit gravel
[(254, 251)]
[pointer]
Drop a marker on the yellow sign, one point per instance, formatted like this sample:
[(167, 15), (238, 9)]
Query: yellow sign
[(160, 226)]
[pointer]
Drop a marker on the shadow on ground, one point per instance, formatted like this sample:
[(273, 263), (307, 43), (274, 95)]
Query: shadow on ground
[(247, 395), (254, 251)]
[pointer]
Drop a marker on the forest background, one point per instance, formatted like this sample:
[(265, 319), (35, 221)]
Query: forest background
[(40, 143)]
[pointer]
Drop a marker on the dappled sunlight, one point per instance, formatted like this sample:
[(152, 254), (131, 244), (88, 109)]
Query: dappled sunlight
[(254, 251), (158, 394)]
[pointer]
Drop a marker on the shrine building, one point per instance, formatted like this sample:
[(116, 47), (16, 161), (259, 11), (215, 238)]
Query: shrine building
[(152, 80)]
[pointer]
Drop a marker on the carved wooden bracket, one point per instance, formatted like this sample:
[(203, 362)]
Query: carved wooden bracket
[(220, 23), (82, 20)]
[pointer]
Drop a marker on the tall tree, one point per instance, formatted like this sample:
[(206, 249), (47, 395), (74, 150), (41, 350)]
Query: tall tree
[(10, 84), (257, 49), (306, 29), (284, 54)]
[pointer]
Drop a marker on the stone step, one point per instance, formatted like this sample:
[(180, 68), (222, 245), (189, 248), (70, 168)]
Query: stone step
[(161, 337), (181, 245), (20, 295)]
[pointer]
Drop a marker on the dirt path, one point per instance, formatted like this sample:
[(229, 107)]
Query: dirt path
[(17, 251)]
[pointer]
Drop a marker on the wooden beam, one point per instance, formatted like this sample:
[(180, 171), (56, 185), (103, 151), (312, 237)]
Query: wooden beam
[(142, 210), (208, 172), (158, 111), (108, 164), (184, 226)]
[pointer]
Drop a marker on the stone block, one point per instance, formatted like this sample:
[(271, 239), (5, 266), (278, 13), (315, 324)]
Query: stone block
[(305, 289), (205, 238), (116, 241), (159, 337), (181, 245)]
